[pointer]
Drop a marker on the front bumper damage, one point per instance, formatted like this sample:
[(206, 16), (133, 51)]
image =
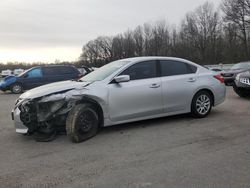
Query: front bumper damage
[(45, 114), (20, 127)]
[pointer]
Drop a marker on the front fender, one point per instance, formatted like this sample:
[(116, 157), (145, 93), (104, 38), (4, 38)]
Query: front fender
[(8, 81)]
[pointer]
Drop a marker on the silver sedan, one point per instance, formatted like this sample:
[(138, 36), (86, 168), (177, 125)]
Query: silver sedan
[(122, 91)]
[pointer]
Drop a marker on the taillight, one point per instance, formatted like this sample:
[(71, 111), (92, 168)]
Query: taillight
[(220, 78)]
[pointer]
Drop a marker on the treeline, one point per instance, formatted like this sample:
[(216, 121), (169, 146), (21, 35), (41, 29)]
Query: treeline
[(18, 65), (207, 35), (25, 66)]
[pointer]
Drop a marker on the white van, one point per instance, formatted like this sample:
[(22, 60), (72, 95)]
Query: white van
[(5, 73), (16, 72)]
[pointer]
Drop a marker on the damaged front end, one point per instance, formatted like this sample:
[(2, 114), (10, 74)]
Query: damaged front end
[(45, 115)]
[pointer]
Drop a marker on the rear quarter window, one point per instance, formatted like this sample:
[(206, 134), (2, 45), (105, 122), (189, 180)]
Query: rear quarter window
[(192, 68)]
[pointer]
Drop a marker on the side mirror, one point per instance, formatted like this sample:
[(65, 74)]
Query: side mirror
[(122, 78)]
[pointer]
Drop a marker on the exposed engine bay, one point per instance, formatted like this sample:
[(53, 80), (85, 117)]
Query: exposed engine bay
[(45, 116)]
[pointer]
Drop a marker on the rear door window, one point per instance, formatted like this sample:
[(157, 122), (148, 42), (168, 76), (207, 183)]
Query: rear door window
[(172, 68)]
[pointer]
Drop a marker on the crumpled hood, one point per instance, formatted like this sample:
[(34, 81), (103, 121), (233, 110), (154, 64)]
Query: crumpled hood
[(52, 88)]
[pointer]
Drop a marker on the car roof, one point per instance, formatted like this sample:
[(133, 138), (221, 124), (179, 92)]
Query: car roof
[(247, 62), (148, 58), (53, 66)]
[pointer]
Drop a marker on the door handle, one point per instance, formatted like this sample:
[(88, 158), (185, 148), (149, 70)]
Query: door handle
[(154, 85), (191, 80)]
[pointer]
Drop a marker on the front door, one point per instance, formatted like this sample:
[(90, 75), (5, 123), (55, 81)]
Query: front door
[(33, 78), (140, 97)]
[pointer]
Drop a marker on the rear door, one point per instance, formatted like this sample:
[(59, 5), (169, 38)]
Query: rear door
[(58, 73), (178, 84), (50, 75), (68, 73), (140, 97)]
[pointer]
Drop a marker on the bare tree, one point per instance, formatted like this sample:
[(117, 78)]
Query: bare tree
[(238, 12), (203, 37), (160, 39), (139, 41), (128, 44)]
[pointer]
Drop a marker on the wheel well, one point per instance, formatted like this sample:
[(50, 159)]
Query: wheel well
[(97, 106), (11, 85), (210, 92), (17, 83)]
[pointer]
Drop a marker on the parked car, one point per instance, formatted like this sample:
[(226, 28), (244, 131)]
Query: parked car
[(242, 84), (123, 91), (16, 72), (85, 70), (6, 73), (230, 75), (217, 70), (38, 76)]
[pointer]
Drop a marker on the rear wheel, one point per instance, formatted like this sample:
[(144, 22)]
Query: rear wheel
[(16, 88), (82, 123), (241, 92), (201, 104)]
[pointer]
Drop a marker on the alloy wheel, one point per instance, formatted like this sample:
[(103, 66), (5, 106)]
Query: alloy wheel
[(203, 104), (17, 88)]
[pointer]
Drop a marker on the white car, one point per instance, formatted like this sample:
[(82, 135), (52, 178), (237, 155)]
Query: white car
[(120, 92), (6, 73), (18, 71)]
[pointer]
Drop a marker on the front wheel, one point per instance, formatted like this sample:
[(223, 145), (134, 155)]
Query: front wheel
[(201, 104), (82, 123), (16, 88)]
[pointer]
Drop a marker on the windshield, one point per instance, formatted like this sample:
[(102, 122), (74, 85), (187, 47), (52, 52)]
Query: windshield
[(241, 66), (104, 72), (23, 73)]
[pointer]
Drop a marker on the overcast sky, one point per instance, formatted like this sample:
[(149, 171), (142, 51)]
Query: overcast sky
[(45, 30)]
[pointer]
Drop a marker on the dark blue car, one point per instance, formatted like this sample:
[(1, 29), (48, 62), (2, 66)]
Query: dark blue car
[(38, 76)]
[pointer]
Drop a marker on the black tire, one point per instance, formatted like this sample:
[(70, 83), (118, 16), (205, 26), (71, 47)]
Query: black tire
[(241, 92), (44, 137), (45, 133), (82, 123), (201, 104), (16, 88)]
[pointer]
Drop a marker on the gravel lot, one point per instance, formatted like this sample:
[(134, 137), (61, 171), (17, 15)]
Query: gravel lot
[(169, 152)]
